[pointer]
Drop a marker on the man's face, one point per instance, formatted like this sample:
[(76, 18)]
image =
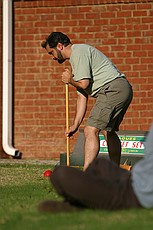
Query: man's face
[(56, 54)]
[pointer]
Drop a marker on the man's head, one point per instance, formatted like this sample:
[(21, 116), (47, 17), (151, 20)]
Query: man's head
[(54, 45), (54, 38)]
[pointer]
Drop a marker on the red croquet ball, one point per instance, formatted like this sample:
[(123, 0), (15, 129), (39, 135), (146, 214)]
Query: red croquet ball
[(47, 173)]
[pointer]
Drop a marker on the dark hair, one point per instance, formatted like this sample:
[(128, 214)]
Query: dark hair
[(54, 38)]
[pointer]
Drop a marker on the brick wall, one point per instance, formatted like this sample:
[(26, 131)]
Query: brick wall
[(123, 30)]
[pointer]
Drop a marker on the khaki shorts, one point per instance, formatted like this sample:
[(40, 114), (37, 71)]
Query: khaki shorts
[(111, 104)]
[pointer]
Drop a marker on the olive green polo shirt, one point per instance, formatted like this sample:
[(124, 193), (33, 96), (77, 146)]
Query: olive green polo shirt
[(89, 63)]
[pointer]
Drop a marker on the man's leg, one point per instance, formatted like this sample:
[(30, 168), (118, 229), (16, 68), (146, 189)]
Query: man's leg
[(92, 145), (114, 147), (102, 186), (87, 189)]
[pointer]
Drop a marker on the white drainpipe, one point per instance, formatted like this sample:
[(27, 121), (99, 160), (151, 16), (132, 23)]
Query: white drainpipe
[(7, 113)]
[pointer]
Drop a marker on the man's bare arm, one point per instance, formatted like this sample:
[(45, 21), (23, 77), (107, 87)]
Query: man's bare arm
[(67, 78), (80, 113)]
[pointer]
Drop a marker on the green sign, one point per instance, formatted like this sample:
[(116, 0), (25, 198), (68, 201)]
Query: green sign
[(130, 144)]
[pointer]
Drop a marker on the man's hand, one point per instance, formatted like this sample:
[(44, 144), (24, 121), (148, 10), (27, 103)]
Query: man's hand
[(71, 131), (67, 76)]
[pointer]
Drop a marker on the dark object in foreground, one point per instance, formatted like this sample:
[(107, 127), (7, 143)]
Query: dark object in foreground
[(57, 206), (104, 185)]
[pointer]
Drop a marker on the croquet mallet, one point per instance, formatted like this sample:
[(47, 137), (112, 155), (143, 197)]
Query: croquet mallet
[(67, 126)]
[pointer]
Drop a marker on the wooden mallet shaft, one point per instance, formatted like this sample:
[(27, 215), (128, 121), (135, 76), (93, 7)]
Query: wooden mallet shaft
[(67, 126)]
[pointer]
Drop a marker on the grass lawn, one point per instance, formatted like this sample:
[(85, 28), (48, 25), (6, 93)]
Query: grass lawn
[(22, 187)]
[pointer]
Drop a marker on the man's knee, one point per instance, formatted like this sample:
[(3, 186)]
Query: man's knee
[(90, 131)]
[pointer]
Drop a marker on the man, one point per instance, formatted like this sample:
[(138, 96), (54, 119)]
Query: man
[(95, 75), (104, 185)]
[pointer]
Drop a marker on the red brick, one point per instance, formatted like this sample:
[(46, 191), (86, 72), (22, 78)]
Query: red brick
[(117, 21), (144, 6), (139, 13)]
